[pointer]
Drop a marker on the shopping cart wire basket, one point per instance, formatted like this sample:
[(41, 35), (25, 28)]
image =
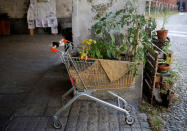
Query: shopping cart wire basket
[(88, 76)]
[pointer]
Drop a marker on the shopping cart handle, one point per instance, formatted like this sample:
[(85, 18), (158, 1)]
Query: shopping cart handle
[(67, 45), (56, 44), (54, 49)]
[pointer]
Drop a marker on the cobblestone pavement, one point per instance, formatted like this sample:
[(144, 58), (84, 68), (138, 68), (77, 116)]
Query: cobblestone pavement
[(32, 82), (176, 117)]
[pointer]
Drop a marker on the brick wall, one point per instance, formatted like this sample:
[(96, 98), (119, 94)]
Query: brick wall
[(173, 2)]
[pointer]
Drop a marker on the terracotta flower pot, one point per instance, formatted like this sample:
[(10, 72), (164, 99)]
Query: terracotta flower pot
[(162, 34), (171, 86), (171, 97), (163, 67)]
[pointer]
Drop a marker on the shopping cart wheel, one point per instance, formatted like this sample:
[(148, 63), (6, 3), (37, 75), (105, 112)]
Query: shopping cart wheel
[(130, 120), (128, 108), (57, 124)]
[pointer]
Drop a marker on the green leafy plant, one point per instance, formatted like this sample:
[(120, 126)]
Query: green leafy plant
[(104, 50), (134, 42), (174, 77), (151, 26), (155, 123), (168, 81), (165, 18), (166, 47), (154, 120)]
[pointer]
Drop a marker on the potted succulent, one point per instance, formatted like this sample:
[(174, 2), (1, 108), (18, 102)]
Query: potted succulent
[(162, 34)]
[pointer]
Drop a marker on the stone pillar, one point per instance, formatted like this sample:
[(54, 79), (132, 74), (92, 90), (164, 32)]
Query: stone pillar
[(84, 12)]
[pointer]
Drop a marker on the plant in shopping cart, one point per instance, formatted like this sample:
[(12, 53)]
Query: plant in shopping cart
[(85, 47)]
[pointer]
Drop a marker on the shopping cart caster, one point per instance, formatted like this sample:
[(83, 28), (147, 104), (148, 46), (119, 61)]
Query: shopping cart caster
[(130, 120), (54, 123), (57, 124), (128, 108)]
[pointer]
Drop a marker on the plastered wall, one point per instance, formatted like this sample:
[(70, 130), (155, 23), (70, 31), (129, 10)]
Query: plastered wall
[(18, 8), (84, 12)]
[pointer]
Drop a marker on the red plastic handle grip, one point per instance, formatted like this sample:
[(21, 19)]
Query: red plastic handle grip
[(53, 49), (64, 40)]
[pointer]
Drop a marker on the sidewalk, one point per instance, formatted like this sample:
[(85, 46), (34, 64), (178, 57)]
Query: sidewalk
[(32, 82)]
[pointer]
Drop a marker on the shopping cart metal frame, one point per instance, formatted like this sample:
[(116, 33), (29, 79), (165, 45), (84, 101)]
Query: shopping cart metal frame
[(122, 105)]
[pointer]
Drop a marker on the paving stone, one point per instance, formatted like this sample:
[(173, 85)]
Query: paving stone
[(42, 79), (92, 126), (136, 125), (142, 117), (145, 129), (144, 124), (70, 129), (103, 126), (136, 129), (31, 110), (37, 99), (81, 126), (71, 123), (11, 100), (125, 129), (50, 111), (113, 126), (55, 102)]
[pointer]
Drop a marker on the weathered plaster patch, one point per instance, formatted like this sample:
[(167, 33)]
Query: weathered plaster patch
[(100, 7)]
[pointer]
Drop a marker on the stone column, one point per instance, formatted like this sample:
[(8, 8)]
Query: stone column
[(84, 12)]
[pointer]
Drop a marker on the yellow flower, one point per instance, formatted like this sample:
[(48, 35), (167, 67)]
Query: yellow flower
[(82, 57), (84, 42), (89, 43), (84, 54), (86, 57), (90, 40), (94, 41)]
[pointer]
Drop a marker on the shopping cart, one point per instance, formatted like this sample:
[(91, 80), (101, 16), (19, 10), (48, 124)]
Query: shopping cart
[(87, 76)]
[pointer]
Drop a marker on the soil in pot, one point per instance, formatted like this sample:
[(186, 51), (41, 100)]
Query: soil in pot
[(163, 67), (162, 34)]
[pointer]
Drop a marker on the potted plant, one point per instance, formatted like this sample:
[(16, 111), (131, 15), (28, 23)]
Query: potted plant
[(163, 67), (171, 95), (166, 87), (162, 34), (112, 42), (165, 64), (172, 79), (150, 27)]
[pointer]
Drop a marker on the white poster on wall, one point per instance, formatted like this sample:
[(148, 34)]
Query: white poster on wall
[(42, 13)]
